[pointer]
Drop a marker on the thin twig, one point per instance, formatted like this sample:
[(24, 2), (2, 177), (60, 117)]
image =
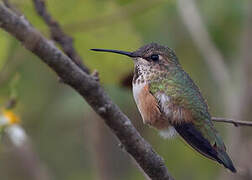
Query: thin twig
[(232, 121), (58, 35), (90, 89)]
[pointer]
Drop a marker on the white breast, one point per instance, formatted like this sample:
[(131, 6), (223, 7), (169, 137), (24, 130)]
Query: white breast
[(163, 99), (141, 68), (136, 90)]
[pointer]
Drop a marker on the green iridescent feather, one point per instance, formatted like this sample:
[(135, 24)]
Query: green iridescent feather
[(177, 84)]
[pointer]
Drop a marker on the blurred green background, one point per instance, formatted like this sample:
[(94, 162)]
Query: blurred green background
[(70, 139)]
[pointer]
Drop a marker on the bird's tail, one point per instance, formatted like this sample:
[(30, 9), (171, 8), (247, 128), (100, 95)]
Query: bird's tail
[(223, 157), (195, 138), (225, 160)]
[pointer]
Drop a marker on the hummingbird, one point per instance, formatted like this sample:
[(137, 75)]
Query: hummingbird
[(169, 100)]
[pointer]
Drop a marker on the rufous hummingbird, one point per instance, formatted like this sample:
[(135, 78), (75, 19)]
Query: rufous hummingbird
[(170, 101)]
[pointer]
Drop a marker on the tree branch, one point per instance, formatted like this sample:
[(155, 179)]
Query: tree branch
[(88, 88), (232, 121), (58, 34)]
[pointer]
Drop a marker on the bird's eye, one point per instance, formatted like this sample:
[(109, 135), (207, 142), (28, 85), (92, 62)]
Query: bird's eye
[(154, 57)]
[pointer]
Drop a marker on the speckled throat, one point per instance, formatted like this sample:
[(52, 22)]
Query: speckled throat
[(146, 73)]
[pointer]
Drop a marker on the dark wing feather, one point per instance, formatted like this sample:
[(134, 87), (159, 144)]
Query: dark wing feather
[(194, 138)]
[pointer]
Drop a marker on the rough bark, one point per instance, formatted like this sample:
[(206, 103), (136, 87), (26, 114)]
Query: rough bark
[(87, 86)]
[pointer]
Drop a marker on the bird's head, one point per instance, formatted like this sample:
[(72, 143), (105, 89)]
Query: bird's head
[(152, 54)]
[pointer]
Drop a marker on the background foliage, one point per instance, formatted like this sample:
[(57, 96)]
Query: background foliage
[(69, 138)]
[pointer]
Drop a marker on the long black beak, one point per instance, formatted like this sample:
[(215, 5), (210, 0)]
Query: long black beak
[(130, 54)]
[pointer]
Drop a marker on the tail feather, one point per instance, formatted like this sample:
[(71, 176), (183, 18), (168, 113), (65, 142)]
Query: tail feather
[(194, 138), (226, 161), (222, 155)]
